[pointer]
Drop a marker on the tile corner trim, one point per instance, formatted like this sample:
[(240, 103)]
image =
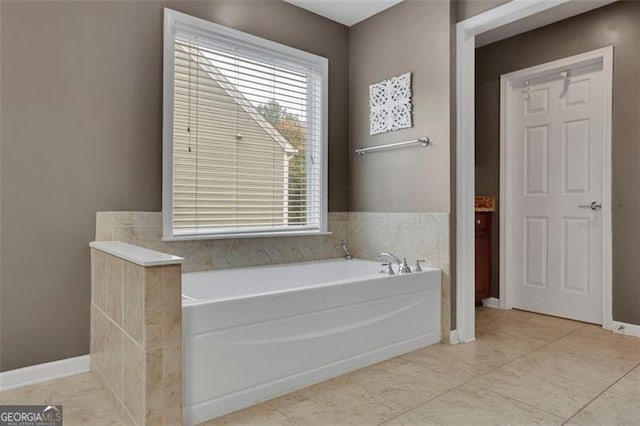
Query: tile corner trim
[(135, 254)]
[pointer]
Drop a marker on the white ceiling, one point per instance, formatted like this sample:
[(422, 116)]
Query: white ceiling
[(346, 12)]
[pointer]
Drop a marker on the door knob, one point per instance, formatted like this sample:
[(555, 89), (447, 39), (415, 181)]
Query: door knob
[(593, 206)]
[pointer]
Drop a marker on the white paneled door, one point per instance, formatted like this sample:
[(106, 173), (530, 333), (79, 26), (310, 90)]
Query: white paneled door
[(554, 188)]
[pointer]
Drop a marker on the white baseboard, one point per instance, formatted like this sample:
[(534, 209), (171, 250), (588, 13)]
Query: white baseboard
[(453, 337), (491, 302), (625, 328), (43, 372)]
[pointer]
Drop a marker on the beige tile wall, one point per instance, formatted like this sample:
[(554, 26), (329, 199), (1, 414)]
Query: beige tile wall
[(411, 235), (414, 235), (136, 338), (145, 229)]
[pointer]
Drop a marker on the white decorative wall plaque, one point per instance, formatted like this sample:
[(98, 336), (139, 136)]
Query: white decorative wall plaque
[(390, 104)]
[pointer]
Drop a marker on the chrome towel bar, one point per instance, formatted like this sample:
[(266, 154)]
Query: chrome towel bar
[(424, 141)]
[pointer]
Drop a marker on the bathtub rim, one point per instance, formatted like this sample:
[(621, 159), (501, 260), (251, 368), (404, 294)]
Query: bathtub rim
[(189, 301)]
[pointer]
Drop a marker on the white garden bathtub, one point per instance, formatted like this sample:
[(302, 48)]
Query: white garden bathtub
[(251, 334)]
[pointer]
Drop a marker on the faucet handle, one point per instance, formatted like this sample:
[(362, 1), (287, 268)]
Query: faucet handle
[(389, 270), (418, 268), (404, 267)]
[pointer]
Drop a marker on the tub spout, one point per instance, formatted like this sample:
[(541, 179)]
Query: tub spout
[(386, 255), (347, 254)]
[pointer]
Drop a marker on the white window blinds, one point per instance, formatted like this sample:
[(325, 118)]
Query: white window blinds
[(247, 135)]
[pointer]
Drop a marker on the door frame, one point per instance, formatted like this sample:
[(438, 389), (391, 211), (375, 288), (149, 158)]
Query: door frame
[(604, 56), (525, 15)]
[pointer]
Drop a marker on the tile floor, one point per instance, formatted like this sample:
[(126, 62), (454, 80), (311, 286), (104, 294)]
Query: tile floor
[(524, 369), (84, 402)]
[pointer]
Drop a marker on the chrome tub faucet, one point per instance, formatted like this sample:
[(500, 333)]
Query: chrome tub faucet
[(403, 266)]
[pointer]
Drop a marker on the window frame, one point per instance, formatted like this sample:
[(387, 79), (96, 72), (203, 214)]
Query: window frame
[(174, 19)]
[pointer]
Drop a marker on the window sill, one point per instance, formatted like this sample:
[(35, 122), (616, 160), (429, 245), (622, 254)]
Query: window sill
[(245, 235)]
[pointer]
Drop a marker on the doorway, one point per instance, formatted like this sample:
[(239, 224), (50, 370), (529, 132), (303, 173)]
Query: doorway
[(555, 187), (512, 18)]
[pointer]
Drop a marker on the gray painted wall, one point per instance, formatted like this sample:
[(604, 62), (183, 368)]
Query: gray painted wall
[(81, 129), (619, 25), (411, 36)]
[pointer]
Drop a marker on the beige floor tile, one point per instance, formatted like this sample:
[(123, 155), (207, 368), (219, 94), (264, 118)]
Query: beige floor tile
[(336, 402), (634, 375), (54, 391), (619, 405), (410, 418), (546, 319), (403, 382), (489, 316), (440, 358), (259, 415), (469, 360), (474, 406), (82, 399), (553, 380), (629, 387), (98, 414), (573, 366), (485, 316), (495, 314), (595, 342), (525, 324)]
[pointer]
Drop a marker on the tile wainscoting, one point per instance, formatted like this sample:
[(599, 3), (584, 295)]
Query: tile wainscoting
[(415, 235), (145, 229), (136, 337)]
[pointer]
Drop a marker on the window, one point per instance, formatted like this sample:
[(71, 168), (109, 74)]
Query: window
[(245, 134)]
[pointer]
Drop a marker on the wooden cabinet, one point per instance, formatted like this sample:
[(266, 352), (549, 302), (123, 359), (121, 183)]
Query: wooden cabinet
[(483, 255)]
